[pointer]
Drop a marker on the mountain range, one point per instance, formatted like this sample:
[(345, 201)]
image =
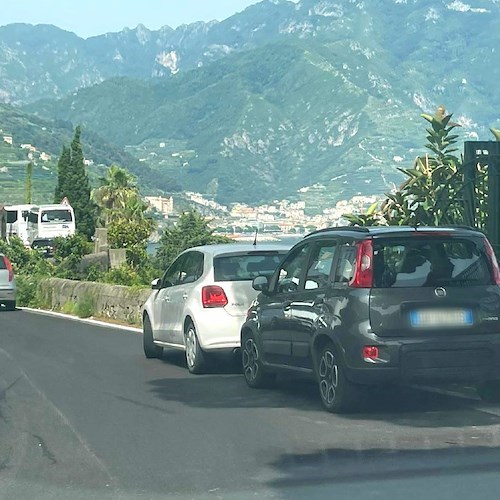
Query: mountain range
[(310, 99)]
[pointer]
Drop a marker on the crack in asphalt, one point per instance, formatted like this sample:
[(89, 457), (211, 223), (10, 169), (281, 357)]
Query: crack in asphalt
[(138, 403), (45, 449), (3, 393), (23, 375)]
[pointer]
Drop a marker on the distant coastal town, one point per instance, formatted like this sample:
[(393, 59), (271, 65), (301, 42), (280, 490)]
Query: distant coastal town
[(273, 220)]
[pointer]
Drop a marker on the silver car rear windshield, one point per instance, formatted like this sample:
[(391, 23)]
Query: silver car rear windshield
[(246, 267), (435, 261)]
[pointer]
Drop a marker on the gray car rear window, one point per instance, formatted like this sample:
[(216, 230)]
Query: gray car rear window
[(246, 267), (2, 263), (436, 261)]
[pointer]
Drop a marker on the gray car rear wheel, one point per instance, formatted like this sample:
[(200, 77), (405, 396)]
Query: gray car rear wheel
[(338, 394)]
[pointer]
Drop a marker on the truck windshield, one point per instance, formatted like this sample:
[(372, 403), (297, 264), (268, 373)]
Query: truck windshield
[(56, 216)]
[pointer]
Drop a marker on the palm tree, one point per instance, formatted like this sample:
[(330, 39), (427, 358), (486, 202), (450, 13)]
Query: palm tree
[(116, 194)]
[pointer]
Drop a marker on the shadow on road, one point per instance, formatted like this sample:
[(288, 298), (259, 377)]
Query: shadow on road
[(217, 364), (224, 387), (415, 407), (340, 465), (230, 391)]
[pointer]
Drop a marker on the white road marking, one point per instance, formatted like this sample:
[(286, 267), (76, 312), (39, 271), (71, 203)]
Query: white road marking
[(89, 321)]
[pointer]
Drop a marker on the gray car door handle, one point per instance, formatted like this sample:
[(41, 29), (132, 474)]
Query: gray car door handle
[(185, 296)]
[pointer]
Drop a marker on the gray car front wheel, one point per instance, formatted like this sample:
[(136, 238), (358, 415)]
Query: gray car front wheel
[(253, 370)]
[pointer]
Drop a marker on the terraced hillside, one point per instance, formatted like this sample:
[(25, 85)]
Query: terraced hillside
[(41, 140), (13, 163)]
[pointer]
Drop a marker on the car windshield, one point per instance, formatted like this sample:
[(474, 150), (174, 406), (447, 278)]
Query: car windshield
[(424, 261), (245, 267)]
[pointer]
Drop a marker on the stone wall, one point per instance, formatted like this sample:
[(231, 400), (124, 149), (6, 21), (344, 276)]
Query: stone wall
[(115, 302)]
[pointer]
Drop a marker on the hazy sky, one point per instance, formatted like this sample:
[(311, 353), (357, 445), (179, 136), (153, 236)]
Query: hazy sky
[(94, 17)]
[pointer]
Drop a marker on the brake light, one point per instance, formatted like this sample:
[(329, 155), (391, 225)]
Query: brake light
[(370, 353), (213, 296), (8, 266), (363, 276), (493, 262)]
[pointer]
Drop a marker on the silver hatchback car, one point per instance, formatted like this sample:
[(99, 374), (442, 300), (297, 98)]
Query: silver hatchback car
[(7, 284), (201, 302)]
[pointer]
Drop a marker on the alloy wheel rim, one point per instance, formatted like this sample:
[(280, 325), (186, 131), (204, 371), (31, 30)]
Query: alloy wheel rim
[(250, 360), (329, 377), (190, 347)]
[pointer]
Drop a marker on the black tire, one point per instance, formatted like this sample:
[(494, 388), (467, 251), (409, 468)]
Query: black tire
[(489, 391), (195, 357), (151, 350), (10, 305), (253, 370), (338, 394)]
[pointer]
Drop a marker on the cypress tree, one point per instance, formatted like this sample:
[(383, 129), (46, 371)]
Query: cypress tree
[(29, 182), (62, 173), (74, 184)]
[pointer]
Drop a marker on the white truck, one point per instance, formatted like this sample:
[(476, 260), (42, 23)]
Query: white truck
[(50, 221)]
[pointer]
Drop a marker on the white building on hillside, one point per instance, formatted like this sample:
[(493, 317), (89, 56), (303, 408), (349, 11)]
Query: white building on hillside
[(163, 205)]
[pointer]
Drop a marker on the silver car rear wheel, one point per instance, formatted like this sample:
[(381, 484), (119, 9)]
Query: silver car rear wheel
[(151, 350), (195, 358)]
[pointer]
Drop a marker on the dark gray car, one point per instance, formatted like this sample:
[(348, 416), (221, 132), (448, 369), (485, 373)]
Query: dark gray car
[(362, 306)]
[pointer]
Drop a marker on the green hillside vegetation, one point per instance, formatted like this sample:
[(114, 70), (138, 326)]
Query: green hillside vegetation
[(13, 178), (281, 117), (321, 96), (49, 136)]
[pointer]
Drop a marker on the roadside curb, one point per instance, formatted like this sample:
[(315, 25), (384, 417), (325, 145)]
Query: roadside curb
[(94, 322)]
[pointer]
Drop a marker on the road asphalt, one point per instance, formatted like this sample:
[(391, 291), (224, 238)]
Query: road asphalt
[(84, 415)]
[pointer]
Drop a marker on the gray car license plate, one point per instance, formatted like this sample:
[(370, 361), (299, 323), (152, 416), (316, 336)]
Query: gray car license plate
[(441, 318)]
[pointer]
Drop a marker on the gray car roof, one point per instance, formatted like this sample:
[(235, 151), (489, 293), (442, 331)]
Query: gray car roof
[(361, 232)]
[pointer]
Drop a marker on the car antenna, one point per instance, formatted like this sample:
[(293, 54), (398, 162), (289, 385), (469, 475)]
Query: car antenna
[(256, 234)]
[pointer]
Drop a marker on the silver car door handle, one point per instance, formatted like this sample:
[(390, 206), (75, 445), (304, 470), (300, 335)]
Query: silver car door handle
[(166, 299), (185, 296)]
